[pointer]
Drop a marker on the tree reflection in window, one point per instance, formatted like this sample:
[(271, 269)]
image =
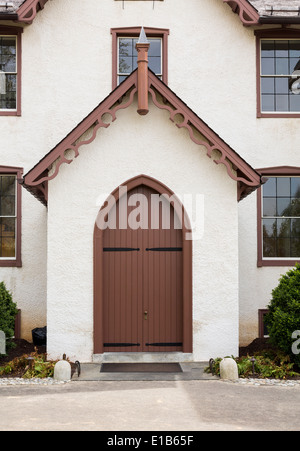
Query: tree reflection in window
[(127, 60), (281, 217), (8, 73)]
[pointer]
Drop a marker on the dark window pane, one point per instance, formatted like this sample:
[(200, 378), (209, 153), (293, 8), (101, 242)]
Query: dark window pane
[(295, 187), (8, 54), (7, 195), (155, 64), (294, 49), (269, 228), (125, 47), (155, 47), (282, 85), (7, 206), (267, 102), (267, 85), (282, 66), (283, 228), (282, 102), (293, 64), (295, 228), (122, 78), (8, 92), (125, 65), (295, 207), (269, 206), (267, 49), (7, 236), (269, 188), (281, 49), (283, 206), (295, 247), (283, 247), (268, 66), (269, 247), (294, 102), (283, 186)]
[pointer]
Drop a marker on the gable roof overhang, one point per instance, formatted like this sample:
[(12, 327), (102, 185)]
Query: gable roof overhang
[(23, 11), (259, 12), (37, 179)]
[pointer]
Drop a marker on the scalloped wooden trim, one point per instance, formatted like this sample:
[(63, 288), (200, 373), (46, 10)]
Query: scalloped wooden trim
[(241, 172), (29, 9), (247, 13)]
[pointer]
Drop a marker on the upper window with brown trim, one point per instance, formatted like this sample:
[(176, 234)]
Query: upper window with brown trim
[(124, 53), (279, 217), (10, 71), (278, 73), (10, 216)]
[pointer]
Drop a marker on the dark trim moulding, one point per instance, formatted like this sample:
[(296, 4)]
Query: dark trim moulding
[(279, 20), (7, 16)]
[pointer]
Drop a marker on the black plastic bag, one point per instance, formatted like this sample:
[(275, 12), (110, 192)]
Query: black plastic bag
[(39, 336)]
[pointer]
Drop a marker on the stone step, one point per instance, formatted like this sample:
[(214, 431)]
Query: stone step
[(190, 371)]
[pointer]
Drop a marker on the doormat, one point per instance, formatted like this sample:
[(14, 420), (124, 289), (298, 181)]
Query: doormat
[(140, 368)]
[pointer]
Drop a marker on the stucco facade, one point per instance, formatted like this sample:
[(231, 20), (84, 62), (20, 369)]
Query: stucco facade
[(212, 68)]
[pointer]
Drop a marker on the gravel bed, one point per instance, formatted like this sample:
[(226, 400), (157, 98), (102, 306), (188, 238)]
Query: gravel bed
[(266, 382), (33, 381)]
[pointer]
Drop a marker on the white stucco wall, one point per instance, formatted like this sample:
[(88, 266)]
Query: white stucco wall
[(131, 146), (211, 66)]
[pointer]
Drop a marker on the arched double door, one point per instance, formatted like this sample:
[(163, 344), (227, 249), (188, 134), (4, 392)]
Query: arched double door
[(143, 297)]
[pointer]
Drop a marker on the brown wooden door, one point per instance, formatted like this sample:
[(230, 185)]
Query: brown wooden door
[(142, 283)]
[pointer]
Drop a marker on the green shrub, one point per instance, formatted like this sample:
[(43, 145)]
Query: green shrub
[(284, 313), (8, 311), (268, 364)]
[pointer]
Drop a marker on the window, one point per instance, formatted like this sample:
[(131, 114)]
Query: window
[(125, 55), (10, 216), (279, 217), (10, 71), (262, 327), (278, 73)]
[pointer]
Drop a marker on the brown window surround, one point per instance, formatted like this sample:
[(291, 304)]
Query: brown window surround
[(261, 323), (17, 172), (279, 171), (135, 32), (272, 34), (15, 31)]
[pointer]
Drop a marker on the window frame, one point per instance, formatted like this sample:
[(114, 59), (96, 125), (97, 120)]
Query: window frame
[(280, 171), (133, 32), (15, 32), (16, 261), (272, 34)]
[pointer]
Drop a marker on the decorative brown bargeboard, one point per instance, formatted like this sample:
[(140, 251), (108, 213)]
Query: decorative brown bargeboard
[(122, 97)]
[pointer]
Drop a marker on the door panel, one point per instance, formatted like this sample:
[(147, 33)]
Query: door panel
[(142, 283)]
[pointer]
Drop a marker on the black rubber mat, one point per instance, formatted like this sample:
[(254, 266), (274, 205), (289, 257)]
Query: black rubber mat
[(140, 368)]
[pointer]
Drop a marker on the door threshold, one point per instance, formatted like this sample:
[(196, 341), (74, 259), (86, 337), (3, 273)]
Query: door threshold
[(142, 357)]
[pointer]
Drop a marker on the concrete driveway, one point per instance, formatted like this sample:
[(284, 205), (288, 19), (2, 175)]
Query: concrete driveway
[(149, 406)]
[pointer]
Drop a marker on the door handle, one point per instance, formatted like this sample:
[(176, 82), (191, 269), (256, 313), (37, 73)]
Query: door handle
[(145, 315)]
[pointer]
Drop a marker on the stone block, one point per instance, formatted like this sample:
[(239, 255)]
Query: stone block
[(62, 371), (229, 369)]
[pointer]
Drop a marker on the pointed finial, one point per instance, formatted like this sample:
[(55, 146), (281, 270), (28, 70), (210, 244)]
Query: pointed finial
[(143, 38)]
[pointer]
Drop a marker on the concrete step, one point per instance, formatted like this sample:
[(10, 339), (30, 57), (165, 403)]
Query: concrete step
[(190, 371)]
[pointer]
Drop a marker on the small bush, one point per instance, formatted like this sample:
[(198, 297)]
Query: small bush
[(284, 313), (8, 312)]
